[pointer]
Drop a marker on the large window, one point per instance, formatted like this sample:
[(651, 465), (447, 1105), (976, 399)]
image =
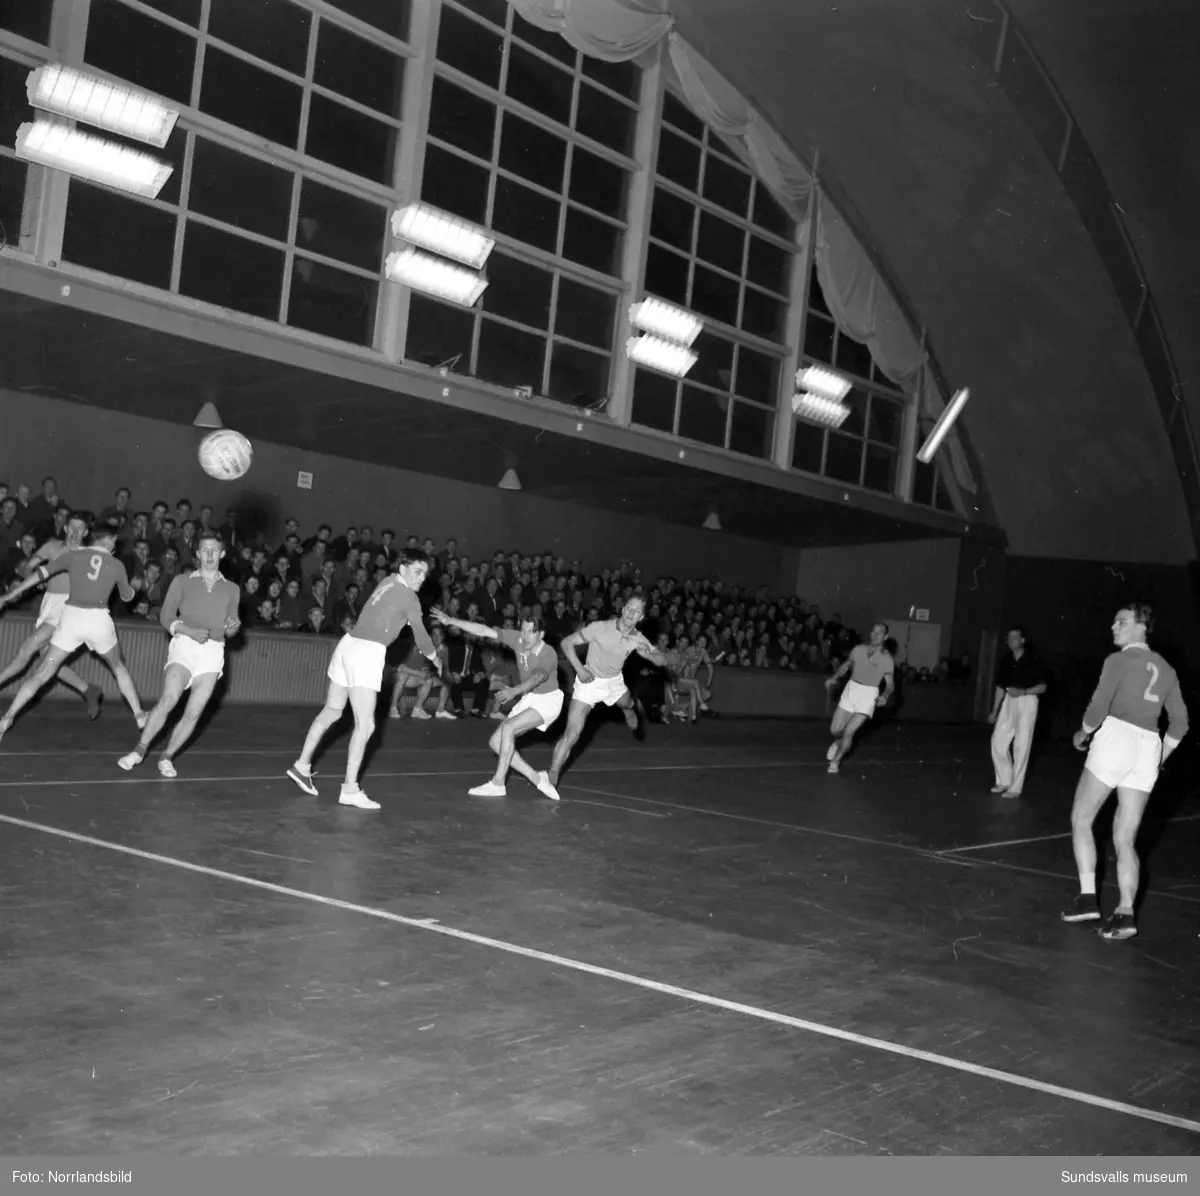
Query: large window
[(14, 108), (533, 140), (722, 247)]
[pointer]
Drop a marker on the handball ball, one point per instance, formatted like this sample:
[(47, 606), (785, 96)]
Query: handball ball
[(225, 454)]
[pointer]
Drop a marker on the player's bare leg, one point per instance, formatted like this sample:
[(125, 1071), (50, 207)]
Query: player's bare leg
[(576, 717), (1090, 795), (50, 663), (504, 743), (32, 647), (202, 689), (1131, 805), (629, 707), (845, 726), (125, 684), (328, 717), (362, 703), (175, 679)]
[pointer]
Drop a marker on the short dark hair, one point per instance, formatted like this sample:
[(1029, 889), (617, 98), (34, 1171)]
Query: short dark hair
[(1017, 628), (103, 532), (539, 624), (1143, 613), (210, 535)]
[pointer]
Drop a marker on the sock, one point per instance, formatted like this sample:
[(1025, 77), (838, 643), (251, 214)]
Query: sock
[(1087, 884), (1124, 909)]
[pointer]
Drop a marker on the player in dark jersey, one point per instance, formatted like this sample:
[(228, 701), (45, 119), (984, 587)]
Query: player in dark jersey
[(540, 705), (356, 672), (94, 573), (1122, 722)]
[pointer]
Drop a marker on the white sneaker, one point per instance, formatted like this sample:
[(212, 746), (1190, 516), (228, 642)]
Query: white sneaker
[(833, 767), (999, 788), (499, 715), (491, 789), (833, 747), (394, 713), (545, 788), (358, 799), (419, 713), (167, 769), (445, 714), (130, 762)]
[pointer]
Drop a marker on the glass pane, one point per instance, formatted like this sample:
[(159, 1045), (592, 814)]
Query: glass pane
[(462, 118), (526, 215), (14, 100), (592, 242), (678, 114), (141, 50), (769, 214), (763, 315), (924, 477), (678, 160), (768, 265), (509, 357), (855, 424), (455, 185), (853, 358), (703, 415), (349, 139), (886, 421), (621, 77), (231, 271), (720, 243), (546, 40), (469, 47), (715, 295), (332, 302), (118, 235), (605, 119), (359, 70), (339, 225), (941, 498), (577, 376), (752, 430), (274, 30), (818, 338), (726, 185), (879, 473), (808, 443), (252, 99), (239, 190), (532, 81), (714, 366), (843, 460), (28, 18), (598, 184), (12, 200), (667, 275), (390, 16), (816, 296), (532, 153), (757, 376), (518, 291), (672, 219), (439, 334), (654, 400), (585, 314)]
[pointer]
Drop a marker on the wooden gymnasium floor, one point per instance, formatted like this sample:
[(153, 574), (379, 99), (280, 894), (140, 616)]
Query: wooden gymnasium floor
[(710, 946)]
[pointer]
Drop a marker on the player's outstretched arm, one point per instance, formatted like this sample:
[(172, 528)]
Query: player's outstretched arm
[(37, 578), (480, 630), (647, 651)]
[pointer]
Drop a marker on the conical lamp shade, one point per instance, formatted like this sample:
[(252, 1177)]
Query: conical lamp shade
[(712, 522), (208, 418), (510, 481)]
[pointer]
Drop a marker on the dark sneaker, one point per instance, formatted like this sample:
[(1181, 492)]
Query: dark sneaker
[(1119, 926), (1085, 908)]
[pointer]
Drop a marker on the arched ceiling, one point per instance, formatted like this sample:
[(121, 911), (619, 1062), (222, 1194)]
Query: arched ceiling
[(952, 189)]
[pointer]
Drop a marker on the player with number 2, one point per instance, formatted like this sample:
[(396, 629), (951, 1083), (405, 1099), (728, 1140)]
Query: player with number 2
[(94, 573), (1126, 754)]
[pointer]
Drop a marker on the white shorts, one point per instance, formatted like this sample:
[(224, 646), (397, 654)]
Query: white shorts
[(858, 699), (51, 609), (1125, 756), (83, 625), (609, 690), (199, 659), (549, 706), (357, 664)]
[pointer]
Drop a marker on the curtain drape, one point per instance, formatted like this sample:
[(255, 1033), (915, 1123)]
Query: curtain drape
[(858, 298)]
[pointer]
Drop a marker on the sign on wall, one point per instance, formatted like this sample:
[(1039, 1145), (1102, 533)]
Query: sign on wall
[(304, 480), (922, 616)]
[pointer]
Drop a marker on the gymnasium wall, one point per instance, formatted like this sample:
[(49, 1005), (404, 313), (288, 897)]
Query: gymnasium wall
[(91, 451)]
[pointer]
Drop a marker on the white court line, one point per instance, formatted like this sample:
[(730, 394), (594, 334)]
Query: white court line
[(1047, 838), (753, 1011), (604, 805)]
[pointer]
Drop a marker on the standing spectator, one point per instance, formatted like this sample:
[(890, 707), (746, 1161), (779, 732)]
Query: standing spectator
[(1020, 681)]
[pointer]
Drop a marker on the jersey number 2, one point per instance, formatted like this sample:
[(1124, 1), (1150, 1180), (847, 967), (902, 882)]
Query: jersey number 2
[(1149, 695), (97, 563)]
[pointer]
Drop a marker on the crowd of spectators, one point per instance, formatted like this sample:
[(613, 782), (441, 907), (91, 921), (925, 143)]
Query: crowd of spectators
[(315, 582)]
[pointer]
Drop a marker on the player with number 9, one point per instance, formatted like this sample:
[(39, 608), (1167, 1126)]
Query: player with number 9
[(94, 573), (1126, 753)]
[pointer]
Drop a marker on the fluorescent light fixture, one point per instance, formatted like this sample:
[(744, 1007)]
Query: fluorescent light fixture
[(510, 481), (824, 383), (818, 409), (713, 522), (656, 353), (439, 232), (942, 427), (661, 319), (70, 93), (433, 276), (51, 143)]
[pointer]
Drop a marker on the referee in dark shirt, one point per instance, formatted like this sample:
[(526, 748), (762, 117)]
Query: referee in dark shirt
[(1020, 681)]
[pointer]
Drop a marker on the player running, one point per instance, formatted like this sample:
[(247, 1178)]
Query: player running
[(356, 672), (1126, 754), (872, 676), (200, 612), (94, 573), (610, 643), (53, 601), (541, 699)]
